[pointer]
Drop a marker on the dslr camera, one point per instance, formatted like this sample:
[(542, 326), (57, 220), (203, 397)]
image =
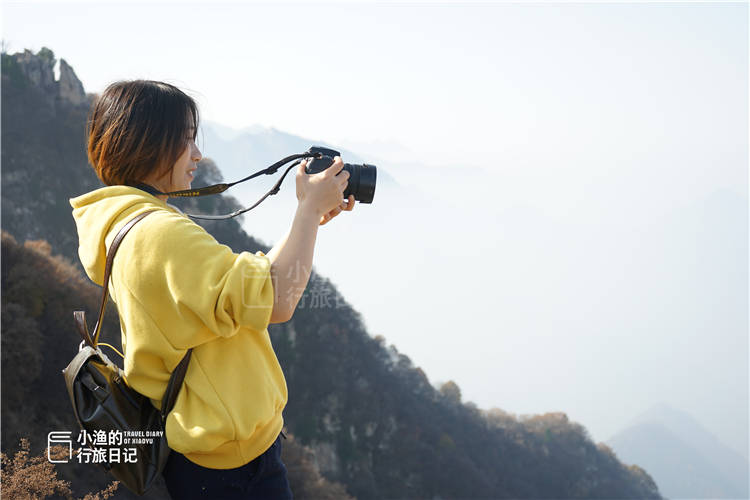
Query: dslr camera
[(361, 177)]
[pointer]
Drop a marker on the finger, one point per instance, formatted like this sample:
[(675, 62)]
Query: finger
[(349, 204), (336, 167), (343, 179), (333, 213), (301, 167)]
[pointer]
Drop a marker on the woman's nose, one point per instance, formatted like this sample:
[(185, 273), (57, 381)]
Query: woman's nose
[(196, 153)]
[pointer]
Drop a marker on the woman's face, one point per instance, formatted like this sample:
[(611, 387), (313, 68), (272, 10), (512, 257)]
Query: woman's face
[(186, 165), (181, 174)]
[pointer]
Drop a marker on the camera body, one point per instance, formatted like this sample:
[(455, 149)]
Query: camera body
[(362, 178)]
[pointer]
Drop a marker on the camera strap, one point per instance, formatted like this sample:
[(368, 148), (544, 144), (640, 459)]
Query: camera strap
[(220, 188)]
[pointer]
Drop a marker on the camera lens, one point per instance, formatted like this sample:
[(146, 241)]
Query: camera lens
[(362, 180)]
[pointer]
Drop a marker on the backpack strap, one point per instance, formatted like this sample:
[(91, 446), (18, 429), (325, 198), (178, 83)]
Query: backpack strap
[(173, 387), (108, 268), (80, 316), (83, 329), (178, 374)]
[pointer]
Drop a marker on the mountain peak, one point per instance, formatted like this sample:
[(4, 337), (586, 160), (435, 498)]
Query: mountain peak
[(70, 87), (673, 445), (39, 71)]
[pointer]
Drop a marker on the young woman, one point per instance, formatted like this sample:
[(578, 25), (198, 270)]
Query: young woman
[(177, 288)]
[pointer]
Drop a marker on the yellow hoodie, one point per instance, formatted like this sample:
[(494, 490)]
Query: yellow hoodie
[(176, 287)]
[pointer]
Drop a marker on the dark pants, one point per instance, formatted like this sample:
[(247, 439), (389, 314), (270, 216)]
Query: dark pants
[(263, 478)]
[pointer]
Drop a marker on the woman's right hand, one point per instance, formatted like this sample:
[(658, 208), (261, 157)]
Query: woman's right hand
[(324, 191)]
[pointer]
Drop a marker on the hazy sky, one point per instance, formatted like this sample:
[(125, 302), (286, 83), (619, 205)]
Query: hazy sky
[(575, 238)]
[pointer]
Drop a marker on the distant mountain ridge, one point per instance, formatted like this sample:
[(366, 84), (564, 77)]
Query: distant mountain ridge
[(264, 145), (241, 152), (373, 420), (686, 460)]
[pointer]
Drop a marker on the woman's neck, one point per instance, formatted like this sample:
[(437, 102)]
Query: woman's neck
[(151, 190)]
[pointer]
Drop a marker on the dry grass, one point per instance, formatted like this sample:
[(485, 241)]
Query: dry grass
[(31, 478)]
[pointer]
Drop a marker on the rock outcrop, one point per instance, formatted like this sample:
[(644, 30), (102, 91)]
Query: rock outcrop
[(70, 87), (39, 70)]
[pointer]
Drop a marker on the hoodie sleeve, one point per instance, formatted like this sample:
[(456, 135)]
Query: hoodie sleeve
[(191, 286)]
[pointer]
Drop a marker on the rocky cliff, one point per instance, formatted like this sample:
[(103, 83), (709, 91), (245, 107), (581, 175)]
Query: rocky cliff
[(39, 71)]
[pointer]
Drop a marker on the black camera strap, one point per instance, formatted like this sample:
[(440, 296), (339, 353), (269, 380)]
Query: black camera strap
[(220, 188)]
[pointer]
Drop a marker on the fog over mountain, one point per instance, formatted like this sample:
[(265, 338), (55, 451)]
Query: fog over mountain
[(627, 281), (685, 459)]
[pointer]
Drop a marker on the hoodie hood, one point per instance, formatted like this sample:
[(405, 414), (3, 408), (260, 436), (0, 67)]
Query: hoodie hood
[(97, 213)]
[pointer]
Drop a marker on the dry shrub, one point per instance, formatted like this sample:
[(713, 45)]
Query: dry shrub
[(305, 478), (32, 478)]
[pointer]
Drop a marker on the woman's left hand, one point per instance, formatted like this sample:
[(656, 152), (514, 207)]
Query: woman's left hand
[(345, 206)]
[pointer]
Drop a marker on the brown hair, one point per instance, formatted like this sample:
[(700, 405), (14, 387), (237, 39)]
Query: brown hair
[(138, 127)]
